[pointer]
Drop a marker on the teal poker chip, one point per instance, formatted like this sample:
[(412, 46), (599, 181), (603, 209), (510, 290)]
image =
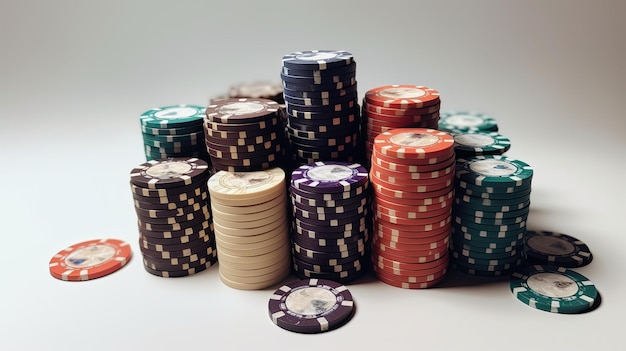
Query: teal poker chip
[(544, 247), (482, 244), (480, 143), (486, 228), (468, 211), (487, 238), (497, 262), (462, 244), (494, 171), (553, 289), (465, 121), (503, 205), (498, 190), (476, 271), (173, 144), (173, 116), (467, 251), (194, 136), (464, 219), (149, 131)]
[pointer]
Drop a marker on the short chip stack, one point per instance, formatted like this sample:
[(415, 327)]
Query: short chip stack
[(244, 134), (331, 220), (251, 227), (398, 106), (322, 106), (466, 122), (412, 181), (173, 131), (258, 90), (175, 227), (490, 209), (470, 144)]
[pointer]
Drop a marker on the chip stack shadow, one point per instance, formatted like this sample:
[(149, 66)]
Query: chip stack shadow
[(173, 131), (322, 106), (244, 134), (491, 206), (251, 227), (398, 106), (173, 216), (412, 178)]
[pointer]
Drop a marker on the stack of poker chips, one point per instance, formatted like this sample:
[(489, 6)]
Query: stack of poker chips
[(398, 106), (321, 99), (490, 209), (244, 134), (251, 227), (412, 178), (330, 231), (173, 216), (466, 122), (173, 131), (471, 144)]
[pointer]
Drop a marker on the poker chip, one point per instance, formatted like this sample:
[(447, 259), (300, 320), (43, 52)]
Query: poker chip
[(551, 248), (251, 227), (553, 289), (321, 105), (317, 59), (257, 90), (174, 219), (467, 145), (311, 306), (244, 134), (173, 131), (464, 121), (491, 207), (412, 181), (329, 177), (90, 259)]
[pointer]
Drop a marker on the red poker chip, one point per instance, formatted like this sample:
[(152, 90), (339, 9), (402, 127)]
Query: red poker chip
[(90, 259), (402, 96), (414, 143)]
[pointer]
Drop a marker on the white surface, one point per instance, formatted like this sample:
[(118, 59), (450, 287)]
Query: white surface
[(75, 76)]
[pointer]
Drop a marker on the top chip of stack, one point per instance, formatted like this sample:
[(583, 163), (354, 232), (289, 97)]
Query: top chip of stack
[(173, 131), (470, 144), (466, 122), (398, 106), (321, 99), (244, 134)]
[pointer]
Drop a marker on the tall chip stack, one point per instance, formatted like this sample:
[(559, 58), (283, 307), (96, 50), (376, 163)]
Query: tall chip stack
[(251, 227), (244, 134), (491, 206), (173, 131), (331, 220), (398, 106), (412, 178), (322, 106), (175, 226)]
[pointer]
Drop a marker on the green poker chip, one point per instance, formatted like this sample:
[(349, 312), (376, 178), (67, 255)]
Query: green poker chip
[(553, 289), (480, 144), (494, 171), (199, 136), (482, 271), (464, 121), (177, 116), (149, 131)]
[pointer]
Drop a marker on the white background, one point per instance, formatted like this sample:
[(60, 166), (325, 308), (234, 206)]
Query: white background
[(75, 75)]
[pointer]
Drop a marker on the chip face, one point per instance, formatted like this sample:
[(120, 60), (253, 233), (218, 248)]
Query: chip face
[(168, 173), (90, 259), (311, 306), (544, 247), (553, 289)]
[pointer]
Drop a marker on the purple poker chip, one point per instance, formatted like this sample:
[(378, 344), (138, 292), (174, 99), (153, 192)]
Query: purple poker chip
[(329, 177), (311, 306)]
